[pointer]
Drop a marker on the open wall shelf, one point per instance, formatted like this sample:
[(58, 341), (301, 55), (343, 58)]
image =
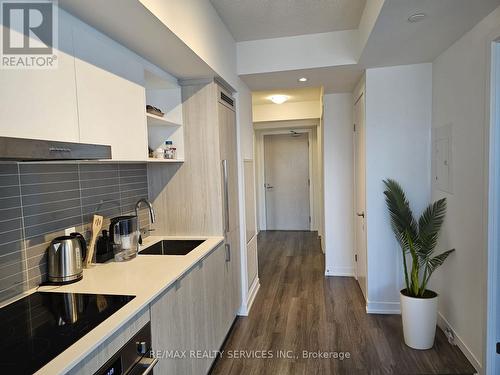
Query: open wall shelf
[(165, 94), (153, 160), (154, 120)]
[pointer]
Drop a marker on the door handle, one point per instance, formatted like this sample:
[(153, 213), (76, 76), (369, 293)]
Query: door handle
[(225, 177), (268, 187), (362, 214), (228, 252)]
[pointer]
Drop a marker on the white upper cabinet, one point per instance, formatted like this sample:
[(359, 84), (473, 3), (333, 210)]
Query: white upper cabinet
[(41, 104), (97, 94), (110, 95)]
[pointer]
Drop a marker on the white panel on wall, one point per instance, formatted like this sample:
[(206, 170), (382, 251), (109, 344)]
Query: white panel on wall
[(442, 147)]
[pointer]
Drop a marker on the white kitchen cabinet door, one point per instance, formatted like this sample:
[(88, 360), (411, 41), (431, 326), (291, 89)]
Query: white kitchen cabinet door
[(111, 101), (41, 104)]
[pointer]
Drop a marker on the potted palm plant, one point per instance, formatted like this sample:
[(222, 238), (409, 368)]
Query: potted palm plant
[(418, 240)]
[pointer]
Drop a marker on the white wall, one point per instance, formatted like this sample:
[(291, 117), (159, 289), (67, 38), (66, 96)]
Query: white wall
[(338, 171), (287, 111), (398, 130), (245, 121), (198, 25), (460, 98), (367, 23), (297, 52)]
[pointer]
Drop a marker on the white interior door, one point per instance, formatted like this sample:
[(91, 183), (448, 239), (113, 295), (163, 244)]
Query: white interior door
[(286, 166), (360, 186)]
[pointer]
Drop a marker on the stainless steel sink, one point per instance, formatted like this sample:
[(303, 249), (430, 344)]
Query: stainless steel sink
[(172, 247)]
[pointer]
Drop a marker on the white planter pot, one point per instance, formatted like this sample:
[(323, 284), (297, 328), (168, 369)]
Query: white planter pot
[(419, 320)]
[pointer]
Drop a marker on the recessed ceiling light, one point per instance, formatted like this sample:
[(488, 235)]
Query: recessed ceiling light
[(417, 17), (278, 99), (303, 79)]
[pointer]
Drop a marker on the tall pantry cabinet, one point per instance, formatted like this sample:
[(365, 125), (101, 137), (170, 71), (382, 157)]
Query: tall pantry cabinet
[(200, 197), (229, 165)]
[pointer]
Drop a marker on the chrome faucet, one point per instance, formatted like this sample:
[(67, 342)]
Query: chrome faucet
[(152, 216)]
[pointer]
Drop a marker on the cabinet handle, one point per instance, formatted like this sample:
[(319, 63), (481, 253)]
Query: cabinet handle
[(226, 195), (228, 252)]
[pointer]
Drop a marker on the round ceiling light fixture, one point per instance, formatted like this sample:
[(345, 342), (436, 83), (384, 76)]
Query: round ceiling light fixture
[(278, 99), (417, 17), (302, 79)]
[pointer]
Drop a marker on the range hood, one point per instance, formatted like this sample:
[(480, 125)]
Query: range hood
[(22, 149)]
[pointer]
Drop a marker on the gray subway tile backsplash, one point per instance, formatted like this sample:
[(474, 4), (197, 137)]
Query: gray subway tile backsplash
[(9, 202), (39, 201)]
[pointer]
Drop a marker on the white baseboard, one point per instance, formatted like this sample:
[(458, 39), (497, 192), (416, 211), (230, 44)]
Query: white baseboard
[(252, 293), (383, 307), (340, 271), (443, 324)]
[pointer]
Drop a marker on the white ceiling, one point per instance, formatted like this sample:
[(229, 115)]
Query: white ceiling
[(395, 41), (334, 79), (263, 19), (307, 94)]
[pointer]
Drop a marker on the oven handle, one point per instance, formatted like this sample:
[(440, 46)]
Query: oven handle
[(147, 364), (150, 367)]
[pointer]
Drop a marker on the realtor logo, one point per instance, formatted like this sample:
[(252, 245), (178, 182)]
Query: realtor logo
[(29, 34)]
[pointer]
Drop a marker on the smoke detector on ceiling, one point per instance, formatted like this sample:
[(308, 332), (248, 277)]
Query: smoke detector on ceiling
[(417, 17)]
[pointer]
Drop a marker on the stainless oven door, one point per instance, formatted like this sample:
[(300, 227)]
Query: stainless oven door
[(133, 358), (144, 366)]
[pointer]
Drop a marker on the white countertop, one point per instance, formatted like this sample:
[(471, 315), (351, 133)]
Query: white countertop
[(145, 277)]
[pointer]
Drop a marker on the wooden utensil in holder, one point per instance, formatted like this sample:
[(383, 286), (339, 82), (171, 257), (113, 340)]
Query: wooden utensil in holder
[(96, 228)]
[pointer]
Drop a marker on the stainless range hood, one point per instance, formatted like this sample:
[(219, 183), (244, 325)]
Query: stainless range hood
[(21, 149)]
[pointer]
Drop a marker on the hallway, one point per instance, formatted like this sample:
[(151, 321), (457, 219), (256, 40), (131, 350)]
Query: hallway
[(297, 309)]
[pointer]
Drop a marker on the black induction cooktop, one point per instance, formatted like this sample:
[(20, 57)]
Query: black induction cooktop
[(37, 328)]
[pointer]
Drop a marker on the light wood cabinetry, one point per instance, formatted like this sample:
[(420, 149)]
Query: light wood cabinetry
[(193, 317), (228, 155), (191, 199), (188, 198)]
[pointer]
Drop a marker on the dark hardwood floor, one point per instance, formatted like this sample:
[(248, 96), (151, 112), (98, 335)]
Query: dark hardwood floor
[(298, 309)]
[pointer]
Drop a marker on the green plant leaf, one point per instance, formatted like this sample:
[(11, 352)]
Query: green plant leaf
[(437, 261), (429, 226), (403, 223), (417, 239)]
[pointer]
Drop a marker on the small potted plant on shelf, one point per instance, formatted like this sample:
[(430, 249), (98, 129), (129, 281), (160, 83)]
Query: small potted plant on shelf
[(418, 240)]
